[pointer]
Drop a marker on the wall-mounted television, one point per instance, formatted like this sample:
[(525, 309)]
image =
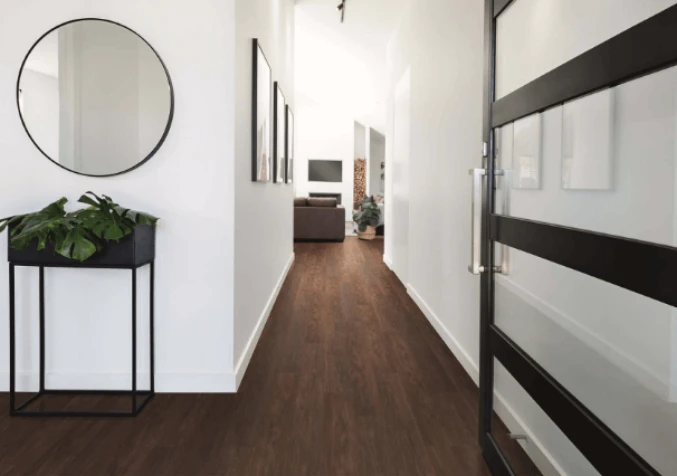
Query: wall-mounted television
[(325, 170)]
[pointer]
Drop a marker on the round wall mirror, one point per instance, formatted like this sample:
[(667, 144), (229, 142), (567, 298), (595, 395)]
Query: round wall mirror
[(95, 97)]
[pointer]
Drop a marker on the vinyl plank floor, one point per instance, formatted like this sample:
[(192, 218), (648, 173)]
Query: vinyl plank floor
[(348, 379)]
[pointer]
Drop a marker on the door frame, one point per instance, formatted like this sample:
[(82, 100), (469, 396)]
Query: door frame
[(645, 48)]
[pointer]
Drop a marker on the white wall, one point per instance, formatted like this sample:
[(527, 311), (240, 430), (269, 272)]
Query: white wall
[(445, 135), (188, 184), (360, 141), (377, 146), (263, 211), (324, 133), (612, 348), (401, 167), (342, 65)]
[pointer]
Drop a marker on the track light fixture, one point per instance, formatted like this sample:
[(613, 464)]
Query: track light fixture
[(342, 9)]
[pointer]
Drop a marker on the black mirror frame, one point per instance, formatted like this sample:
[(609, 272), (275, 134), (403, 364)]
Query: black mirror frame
[(170, 119)]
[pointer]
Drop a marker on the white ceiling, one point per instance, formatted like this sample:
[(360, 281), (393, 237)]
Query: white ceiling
[(344, 64), (368, 24)]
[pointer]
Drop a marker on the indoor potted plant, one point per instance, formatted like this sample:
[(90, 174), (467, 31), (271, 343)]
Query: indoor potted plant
[(104, 234), (367, 220)]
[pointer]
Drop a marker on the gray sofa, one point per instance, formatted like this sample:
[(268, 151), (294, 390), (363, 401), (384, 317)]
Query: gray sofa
[(319, 219)]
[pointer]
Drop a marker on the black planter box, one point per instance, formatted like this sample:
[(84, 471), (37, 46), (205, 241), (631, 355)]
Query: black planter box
[(130, 252)]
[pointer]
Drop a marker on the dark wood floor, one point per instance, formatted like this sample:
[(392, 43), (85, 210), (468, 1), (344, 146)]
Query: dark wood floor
[(348, 378)]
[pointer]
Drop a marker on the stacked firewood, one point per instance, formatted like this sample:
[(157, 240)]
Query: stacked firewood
[(360, 184)]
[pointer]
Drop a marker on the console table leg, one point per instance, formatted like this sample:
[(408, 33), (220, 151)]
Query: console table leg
[(152, 327), (12, 343), (134, 340), (42, 329)]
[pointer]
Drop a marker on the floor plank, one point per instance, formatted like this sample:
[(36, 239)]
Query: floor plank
[(348, 378)]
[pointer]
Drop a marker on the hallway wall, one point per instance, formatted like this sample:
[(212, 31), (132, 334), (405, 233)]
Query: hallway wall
[(187, 184), (441, 41), (263, 211), (377, 155)]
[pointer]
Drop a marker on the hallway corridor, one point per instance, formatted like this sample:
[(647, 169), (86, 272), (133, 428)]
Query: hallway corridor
[(348, 378), (365, 385)]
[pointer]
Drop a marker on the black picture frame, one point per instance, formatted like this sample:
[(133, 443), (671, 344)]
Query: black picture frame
[(289, 146), (261, 166), (279, 135), (170, 118)]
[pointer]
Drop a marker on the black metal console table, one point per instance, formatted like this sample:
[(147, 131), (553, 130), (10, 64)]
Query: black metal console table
[(131, 253)]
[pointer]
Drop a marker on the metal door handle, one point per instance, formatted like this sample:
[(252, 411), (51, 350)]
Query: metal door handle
[(476, 224), (476, 221), (504, 267)]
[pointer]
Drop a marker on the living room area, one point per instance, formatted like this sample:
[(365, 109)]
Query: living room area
[(340, 128), (337, 198)]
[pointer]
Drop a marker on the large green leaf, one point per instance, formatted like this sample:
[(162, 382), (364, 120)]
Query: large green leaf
[(139, 218), (77, 245)]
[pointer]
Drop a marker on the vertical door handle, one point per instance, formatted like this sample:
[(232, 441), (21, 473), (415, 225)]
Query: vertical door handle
[(504, 267), (476, 221)]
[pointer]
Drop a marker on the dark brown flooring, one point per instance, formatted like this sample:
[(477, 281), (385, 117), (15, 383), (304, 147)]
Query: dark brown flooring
[(348, 378)]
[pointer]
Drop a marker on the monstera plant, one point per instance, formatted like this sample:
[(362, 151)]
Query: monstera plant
[(75, 235)]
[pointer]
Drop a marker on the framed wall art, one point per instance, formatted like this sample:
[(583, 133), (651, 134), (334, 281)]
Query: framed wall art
[(262, 157)]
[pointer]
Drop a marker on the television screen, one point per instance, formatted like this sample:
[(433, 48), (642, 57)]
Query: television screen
[(325, 171)]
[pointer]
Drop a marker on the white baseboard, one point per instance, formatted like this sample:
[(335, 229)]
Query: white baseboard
[(388, 262), (164, 382), (246, 356), (217, 382), (461, 355), (538, 453)]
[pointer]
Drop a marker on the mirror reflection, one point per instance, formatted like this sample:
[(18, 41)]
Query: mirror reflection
[(95, 98)]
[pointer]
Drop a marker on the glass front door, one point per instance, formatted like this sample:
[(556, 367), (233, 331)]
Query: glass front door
[(575, 238)]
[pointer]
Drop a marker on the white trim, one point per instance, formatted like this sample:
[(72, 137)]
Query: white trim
[(459, 352), (639, 371), (246, 356), (217, 382), (540, 456), (388, 262)]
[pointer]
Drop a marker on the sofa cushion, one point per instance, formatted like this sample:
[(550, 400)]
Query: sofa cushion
[(322, 202), (300, 202)]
